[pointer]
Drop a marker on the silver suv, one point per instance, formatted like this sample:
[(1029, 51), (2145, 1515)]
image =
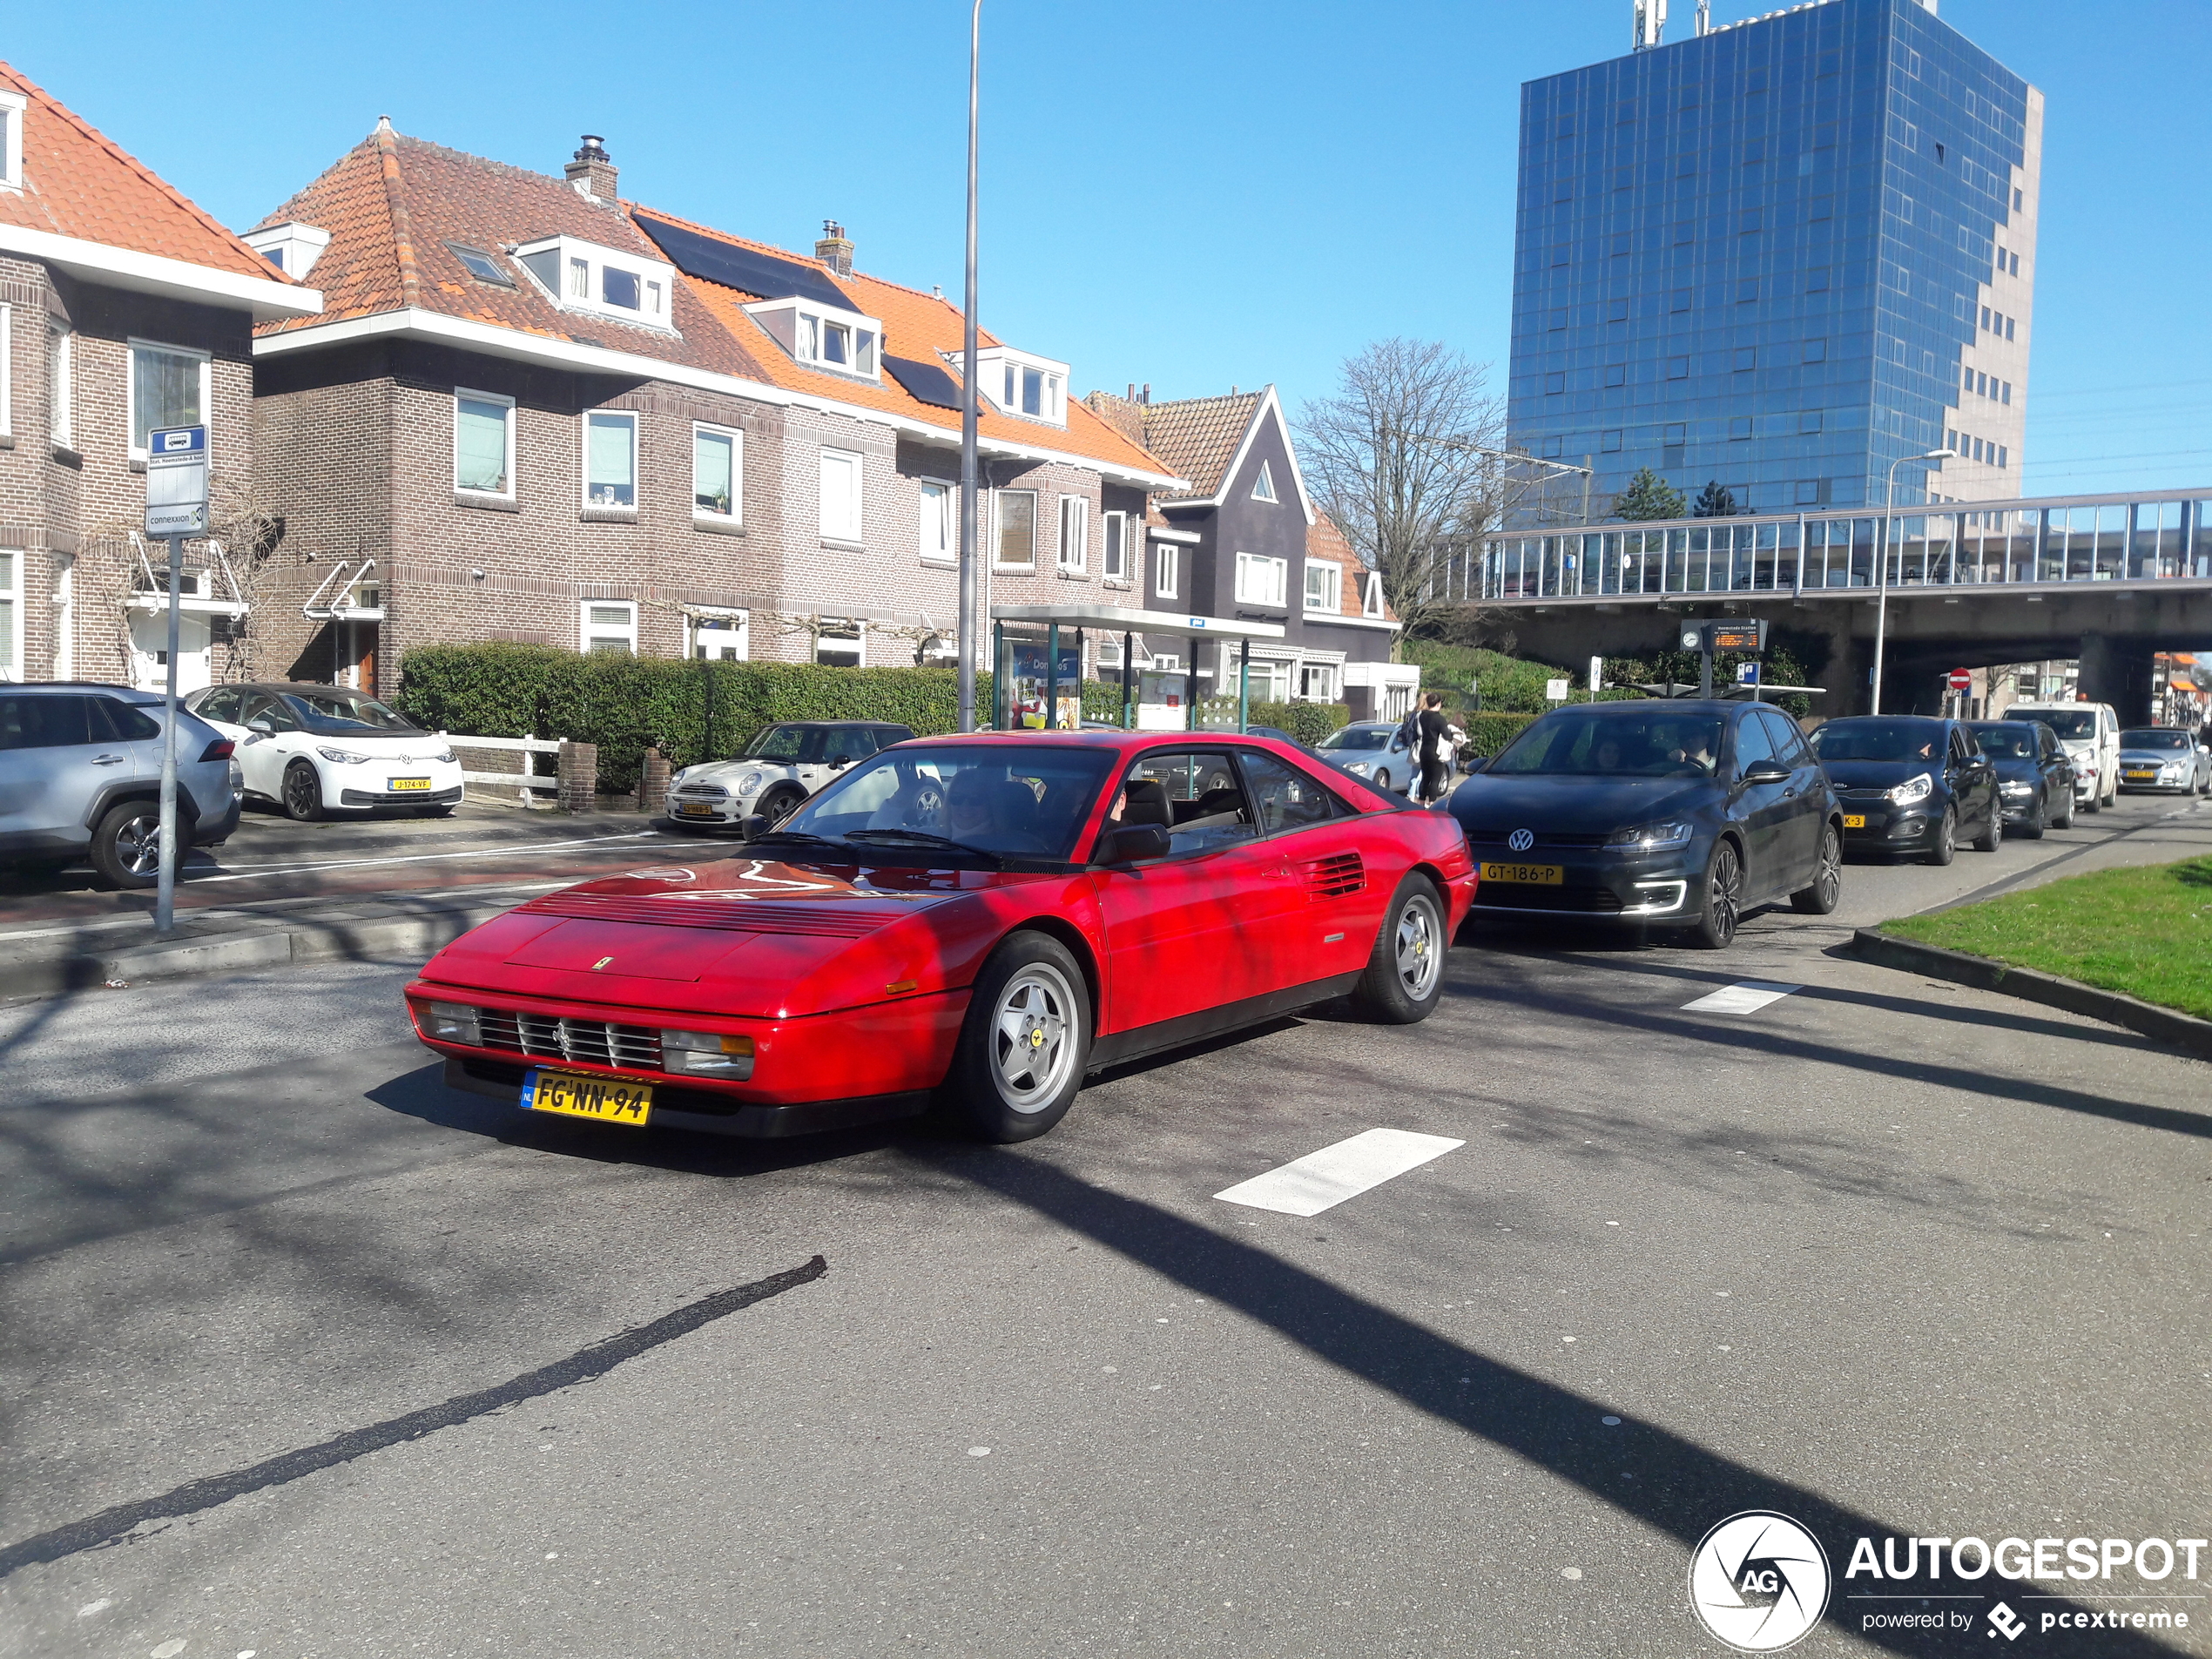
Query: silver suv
[(80, 775)]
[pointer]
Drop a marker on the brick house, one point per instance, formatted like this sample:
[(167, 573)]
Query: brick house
[(534, 411), (122, 308), (1242, 539)]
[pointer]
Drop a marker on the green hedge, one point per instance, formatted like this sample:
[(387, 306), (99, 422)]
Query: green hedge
[(1488, 733)]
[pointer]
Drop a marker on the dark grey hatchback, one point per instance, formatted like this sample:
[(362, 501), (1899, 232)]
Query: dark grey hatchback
[(1912, 784), (1670, 814)]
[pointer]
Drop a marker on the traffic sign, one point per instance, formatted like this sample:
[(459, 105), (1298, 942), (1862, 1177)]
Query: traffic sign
[(1747, 673), (1961, 679), (177, 480)]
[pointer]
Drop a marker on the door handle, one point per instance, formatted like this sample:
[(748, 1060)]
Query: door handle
[(108, 761)]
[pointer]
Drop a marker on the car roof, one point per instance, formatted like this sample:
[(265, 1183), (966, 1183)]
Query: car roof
[(895, 724), (1660, 704), (291, 685), (1123, 742), (78, 685), (1925, 719)]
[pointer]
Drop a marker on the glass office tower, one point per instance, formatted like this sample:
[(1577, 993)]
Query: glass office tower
[(1778, 256)]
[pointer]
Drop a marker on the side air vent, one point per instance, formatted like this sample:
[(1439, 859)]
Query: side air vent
[(1336, 876)]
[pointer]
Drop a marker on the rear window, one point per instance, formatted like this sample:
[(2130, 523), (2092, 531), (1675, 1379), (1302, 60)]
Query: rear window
[(2077, 724), (2006, 743)]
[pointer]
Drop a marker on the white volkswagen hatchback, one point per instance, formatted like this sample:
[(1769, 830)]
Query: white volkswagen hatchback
[(318, 750)]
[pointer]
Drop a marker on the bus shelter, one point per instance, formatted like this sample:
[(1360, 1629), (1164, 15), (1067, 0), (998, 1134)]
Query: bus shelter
[(1060, 623)]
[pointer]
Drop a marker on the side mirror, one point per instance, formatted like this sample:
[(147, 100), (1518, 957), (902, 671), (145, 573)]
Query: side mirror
[(753, 827), (1477, 763), (837, 762), (1766, 771), (261, 726), (1131, 844)]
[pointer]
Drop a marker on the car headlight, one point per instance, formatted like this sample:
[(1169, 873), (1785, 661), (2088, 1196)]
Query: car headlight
[(1652, 838), (747, 784), (451, 1022), (343, 756), (1359, 768), (2018, 788), (1913, 789), (706, 1054), (443, 758)]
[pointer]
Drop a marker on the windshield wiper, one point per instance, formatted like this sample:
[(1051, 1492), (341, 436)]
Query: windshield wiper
[(805, 836), (923, 837)]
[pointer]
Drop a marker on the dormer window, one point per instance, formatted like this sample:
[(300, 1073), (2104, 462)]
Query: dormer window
[(292, 247), (601, 281), (12, 105), (1018, 383), (1371, 601), (844, 342)]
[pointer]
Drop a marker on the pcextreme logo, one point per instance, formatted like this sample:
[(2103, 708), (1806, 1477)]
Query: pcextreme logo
[(1758, 1581)]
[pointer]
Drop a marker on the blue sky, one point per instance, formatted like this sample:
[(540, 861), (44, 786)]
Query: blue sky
[(1195, 193)]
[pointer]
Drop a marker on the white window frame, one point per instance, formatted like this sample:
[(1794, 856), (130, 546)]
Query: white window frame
[(859, 626), (1331, 682), (612, 417), (11, 595), (1074, 528), (1167, 560), (998, 377), (1263, 579), (1333, 596), (947, 492), (61, 384), (741, 626), (130, 386), (7, 371), (806, 326), (1371, 599), (656, 280), (585, 629), (735, 515), (470, 392), (1113, 552), (857, 525), (12, 108), (998, 538), (1264, 486)]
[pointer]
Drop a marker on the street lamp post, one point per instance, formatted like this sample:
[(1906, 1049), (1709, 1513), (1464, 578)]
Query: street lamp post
[(1882, 576), (968, 579)]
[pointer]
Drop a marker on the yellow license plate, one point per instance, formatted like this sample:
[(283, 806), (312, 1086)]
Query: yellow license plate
[(2142, 776), (1547, 875), (694, 809), (410, 783), (1854, 820), (609, 1099)]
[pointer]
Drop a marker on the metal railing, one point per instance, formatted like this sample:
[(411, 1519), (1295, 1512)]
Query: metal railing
[(2047, 541)]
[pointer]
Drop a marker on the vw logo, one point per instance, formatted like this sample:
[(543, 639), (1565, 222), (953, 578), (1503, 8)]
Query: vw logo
[(1522, 840)]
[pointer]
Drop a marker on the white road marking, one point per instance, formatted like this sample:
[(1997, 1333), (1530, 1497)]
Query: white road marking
[(1748, 998), (1322, 1180)]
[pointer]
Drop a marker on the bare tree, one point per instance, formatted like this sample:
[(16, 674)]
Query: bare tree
[(1406, 456)]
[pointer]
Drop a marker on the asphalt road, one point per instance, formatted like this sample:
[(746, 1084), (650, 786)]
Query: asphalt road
[(1889, 1255)]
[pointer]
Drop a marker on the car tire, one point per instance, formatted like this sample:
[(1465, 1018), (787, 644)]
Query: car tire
[(125, 845), (1826, 890), (1382, 780), (2066, 821), (302, 800), (1025, 1044), (2038, 820), (1992, 837), (1944, 846), (1404, 979), (2092, 803), (1716, 928), (780, 803)]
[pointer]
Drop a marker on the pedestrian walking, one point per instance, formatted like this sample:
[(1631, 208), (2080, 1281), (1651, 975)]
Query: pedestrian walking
[(1435, 752)]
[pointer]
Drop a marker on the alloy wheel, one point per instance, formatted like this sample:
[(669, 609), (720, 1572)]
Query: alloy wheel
[(1725, 893), (1830, 882), (1032, 1039), (302, 794), (137, 845), (1419, 952)]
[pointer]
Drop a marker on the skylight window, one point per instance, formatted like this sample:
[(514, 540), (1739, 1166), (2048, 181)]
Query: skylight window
[(12, 105), (480, 265)]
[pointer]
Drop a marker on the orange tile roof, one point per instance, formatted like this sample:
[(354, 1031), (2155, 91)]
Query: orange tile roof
[(79, 182), (1197, 436)]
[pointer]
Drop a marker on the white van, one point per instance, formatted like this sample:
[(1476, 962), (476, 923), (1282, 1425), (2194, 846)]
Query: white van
[(2090, 733)]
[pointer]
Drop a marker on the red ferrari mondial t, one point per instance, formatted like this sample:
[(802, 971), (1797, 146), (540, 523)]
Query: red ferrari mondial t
[(973, 922)]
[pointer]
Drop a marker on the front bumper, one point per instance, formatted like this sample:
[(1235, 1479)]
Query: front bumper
[(360, 788), (1593, 885), (2157, 785), (1891, 828), (364, 797), (727, 813)]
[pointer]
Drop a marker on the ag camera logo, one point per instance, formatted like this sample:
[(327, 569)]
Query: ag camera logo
[(1758, 1581)]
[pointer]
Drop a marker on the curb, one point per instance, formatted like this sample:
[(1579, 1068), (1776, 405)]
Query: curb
[(403, 936), (2114, 1007)]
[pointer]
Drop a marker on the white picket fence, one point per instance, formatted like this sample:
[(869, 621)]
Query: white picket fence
[(523, 783)]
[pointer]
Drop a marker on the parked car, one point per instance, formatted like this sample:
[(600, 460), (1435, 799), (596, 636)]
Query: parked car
[(977, 920), (1372, 752), (313, 751), (1276, 734), (81, 776), (778, 767), (1673, 814), (2091, 734), (2164, 760), (2034, 778), (1912, 784)]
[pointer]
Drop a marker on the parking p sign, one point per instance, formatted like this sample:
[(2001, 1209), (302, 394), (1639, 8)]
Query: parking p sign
[(177, 480)]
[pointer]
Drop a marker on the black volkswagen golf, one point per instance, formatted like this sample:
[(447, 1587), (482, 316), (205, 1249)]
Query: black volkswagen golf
[(1912, 784), (1664, 813)]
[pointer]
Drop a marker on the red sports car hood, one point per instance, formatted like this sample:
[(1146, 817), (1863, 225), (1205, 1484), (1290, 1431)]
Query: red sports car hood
[(746, 936)]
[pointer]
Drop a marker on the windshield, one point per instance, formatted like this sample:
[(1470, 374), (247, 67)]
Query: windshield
[(2152, 736), (1020, 800), (2003, 743), (334, 713), (2067, 723), (1590, 743), (1901, 741), (1357, 737), (805, 746)]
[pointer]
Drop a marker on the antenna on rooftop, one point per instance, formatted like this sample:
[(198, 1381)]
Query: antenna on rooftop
[(1704, 19), (1651, 22)]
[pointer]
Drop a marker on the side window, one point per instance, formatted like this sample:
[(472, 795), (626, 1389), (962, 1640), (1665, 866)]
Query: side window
[(1195, 794), (857, 741), (1753, 742), (42, 723), (1788, 741), (220, 706), (1961, 751), (271, 709), (1285, 799), (126, 724)]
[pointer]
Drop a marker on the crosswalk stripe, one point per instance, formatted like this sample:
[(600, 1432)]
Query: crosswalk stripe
[(1747, 998), (1322, 1180)]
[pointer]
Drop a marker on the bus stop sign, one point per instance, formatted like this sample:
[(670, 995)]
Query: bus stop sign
[(177, 480)]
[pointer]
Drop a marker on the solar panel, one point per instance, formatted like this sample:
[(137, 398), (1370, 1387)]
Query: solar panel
[(925, 382), (742, 268)]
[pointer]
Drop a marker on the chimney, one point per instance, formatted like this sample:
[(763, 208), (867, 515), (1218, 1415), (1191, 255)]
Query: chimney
[(1132, 392), (834, 250), (1148, 391), (593, 172)]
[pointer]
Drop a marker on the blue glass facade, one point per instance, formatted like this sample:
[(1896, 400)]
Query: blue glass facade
[(1778, 256)]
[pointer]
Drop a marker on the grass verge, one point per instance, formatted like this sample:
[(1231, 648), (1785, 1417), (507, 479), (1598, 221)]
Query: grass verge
[(2146, 932)]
